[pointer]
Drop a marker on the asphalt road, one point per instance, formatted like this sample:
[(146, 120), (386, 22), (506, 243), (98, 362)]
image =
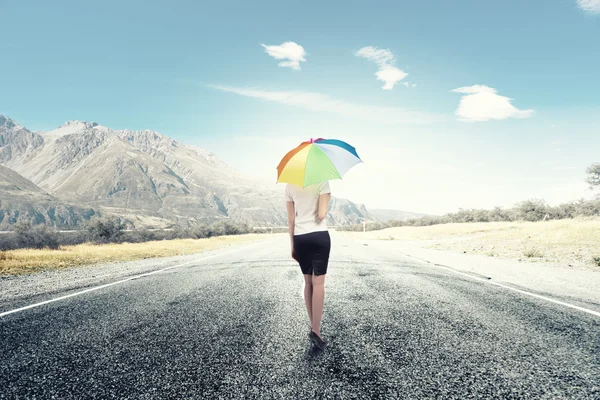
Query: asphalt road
[(235, 326)]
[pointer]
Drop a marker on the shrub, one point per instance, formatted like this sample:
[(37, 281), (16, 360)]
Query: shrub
[(533, 253), (221, 228), (8, 242), (180, 232), (105, 230), (73, 238), (588, 208), (138, 236), (532, 210), (199, 232), (500, 215), (216, 230), (529, 210), (35, 237)]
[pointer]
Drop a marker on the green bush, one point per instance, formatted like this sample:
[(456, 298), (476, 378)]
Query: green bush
[(532, 210), (35, 237), (140, 236), (28, 236), (529, 210), (532, 253), (8, 241), (73, 238), (105, 230)]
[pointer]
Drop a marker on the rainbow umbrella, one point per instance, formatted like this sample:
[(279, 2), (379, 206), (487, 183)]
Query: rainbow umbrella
[(317, 161)]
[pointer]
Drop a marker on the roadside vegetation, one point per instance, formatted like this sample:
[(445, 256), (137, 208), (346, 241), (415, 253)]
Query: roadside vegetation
[(33, 260), (567, 242), (33, 248), (531, 210), (566, 235), (107, 230)]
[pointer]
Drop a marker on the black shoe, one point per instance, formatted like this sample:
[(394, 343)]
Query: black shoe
[(320, 343)]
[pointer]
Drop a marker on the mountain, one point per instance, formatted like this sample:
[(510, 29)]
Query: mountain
[(16, 142), (21, 200), (393, 215), (145, 177), (344, 212)]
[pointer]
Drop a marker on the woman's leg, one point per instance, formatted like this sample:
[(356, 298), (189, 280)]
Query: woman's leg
[(308, 293), (318, 298), (320, 263)]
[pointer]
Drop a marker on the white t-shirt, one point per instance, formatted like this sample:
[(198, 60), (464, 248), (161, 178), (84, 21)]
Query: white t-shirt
[(306, 203)]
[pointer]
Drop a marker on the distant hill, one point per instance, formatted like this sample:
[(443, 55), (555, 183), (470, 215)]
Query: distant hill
[(21, 200), (142, 176)]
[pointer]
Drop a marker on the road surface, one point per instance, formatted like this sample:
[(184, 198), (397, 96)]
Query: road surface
[(235, 326)]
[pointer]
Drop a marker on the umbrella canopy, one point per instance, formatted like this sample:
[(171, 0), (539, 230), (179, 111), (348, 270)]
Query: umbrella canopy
[(317, 161)]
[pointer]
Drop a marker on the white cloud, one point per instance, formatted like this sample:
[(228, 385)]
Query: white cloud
[(475, 89), (384, 58), (379, 56), (409, 84), (590, 5), (481, 103), (321, 102), (290, 51), (391, 76)]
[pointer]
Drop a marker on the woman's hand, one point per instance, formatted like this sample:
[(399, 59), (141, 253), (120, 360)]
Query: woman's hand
[(294, 254)]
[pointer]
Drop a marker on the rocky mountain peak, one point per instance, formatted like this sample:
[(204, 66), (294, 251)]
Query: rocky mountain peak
[(74, 126), (78, 124), (8, 123)]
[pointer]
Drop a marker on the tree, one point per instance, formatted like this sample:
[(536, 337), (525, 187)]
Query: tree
[(532, 209), (35, 237), (593, 178), (105, 230)]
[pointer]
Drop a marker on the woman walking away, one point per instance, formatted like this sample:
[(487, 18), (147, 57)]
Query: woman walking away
[(310, 242)]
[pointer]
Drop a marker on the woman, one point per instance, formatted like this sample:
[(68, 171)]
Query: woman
[(311, 244)]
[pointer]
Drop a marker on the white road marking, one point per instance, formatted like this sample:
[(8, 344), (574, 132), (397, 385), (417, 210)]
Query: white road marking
[(562, 303), (125, 280)]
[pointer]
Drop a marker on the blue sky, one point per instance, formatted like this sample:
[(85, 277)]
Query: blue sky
[(487, 103)]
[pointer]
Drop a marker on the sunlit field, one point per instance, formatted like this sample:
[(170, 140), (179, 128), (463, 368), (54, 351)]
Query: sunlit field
[(568, 241), (30, 260)]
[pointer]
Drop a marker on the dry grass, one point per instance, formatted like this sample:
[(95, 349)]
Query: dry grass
[(26, 260), (563, 242)]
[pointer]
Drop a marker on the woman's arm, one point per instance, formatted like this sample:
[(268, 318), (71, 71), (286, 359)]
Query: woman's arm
[(291, 222), (323, 206)]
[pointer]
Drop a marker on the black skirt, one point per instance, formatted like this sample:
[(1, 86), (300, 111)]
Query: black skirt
[(312, 252)]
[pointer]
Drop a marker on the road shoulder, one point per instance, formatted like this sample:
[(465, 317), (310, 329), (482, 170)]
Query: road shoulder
[(576, 285), (18, 289)]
